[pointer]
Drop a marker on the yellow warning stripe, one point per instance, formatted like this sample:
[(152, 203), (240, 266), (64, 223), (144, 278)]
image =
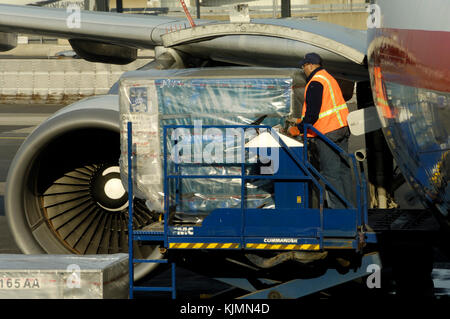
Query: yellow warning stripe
[(249, 246), (334, 110), (203, 245), (284, 247)]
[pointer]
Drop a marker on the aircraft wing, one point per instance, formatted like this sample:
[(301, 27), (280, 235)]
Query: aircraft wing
[(276, 43), (30, 2), (266, 42), (132, 30)]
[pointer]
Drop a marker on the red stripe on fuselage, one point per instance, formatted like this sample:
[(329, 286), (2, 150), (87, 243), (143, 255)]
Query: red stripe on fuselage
[(415, 58)]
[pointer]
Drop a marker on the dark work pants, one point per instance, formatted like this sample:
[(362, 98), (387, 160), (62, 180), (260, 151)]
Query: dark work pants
[(335, 168)]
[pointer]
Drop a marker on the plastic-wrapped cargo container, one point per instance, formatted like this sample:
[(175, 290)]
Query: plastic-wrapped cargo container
[(200, 97)]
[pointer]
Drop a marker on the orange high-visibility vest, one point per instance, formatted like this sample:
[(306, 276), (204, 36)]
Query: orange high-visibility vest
[(334, 111)]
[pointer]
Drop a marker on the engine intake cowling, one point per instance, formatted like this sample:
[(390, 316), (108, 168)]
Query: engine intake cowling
[(8, 41), (62, 194)]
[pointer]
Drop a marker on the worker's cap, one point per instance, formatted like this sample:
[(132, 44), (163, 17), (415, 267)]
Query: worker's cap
[(312, 58)]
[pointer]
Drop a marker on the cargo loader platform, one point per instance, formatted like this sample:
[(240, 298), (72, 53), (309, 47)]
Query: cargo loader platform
[(291, 224)]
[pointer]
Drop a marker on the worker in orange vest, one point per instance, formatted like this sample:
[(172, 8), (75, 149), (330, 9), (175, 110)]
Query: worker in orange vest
[(324, 107)]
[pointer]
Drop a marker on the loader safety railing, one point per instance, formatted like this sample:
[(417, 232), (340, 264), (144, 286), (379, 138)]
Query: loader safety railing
[(243, 177), (306, 173), (131, 233), (360, 180)]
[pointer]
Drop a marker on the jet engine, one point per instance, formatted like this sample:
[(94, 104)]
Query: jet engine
[(63, 191)]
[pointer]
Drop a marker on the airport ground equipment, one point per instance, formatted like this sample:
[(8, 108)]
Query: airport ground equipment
[(132, 234), (294, 224)]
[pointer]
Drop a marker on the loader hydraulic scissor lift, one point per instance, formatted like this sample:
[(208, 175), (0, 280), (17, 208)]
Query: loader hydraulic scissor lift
[(293, 225)]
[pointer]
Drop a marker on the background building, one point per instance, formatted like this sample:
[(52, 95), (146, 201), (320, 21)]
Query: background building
[(348, 13)]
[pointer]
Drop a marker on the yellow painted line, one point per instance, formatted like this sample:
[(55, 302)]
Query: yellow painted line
[(183, 245), (289, 247), (261, 246), (227, 245), (213, 245), (198, 245)]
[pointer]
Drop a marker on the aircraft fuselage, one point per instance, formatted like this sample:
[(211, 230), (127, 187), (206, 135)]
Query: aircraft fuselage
[(408, 49)]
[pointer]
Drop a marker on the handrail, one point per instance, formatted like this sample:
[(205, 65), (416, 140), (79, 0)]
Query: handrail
[(359, 178), (242, 176), (310, 173), (277, 137), (130, 207), (132, 235)]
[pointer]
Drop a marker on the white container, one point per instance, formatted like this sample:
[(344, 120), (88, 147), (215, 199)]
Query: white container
[(64, 276)]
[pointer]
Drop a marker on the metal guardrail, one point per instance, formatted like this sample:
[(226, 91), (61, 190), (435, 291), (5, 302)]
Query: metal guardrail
[(303, 167), (360, 180)]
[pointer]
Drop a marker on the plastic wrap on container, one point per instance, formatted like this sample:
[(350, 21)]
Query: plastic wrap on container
[(209, 96), (63, 276)]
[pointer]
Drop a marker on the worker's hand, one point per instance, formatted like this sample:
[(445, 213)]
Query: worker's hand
[(293, 131)]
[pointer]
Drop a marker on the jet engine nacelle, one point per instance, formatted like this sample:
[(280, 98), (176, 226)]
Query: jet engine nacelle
[(63, 192), (8, 41), (95, 51)]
